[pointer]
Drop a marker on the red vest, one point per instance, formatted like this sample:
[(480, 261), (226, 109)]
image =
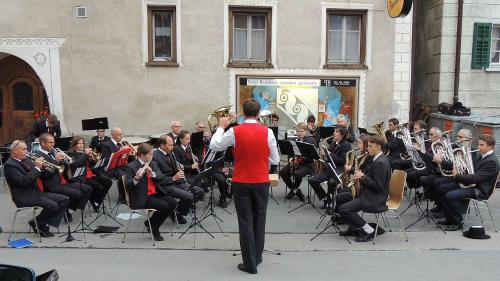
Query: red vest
[(251, 153)]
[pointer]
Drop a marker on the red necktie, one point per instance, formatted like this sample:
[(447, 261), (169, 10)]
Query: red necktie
[(151, 186)]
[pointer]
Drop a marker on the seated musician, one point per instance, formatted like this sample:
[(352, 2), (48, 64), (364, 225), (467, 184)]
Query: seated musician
[(83, 160), (50, 125), (175, 184), (373, 195), (78, 193), (200, 152), (21, 174), (337, 151), (395, 146), (109, 147), (298, 167), (176, 128), (275, 119), (342, 121), (144, 185), (453, 198), (431, 182), (401, 164), (97, 141)]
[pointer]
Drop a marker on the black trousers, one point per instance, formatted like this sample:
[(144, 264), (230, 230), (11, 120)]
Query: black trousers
[(100, 186), (78, 193), (186, 196), (117, 175), (221, 183), (413, 177), (316, 180), (400, 164), (54, 205), (300, 172), (342, 198), (250, 201), (164, 206), (349, 212), (453, 200)]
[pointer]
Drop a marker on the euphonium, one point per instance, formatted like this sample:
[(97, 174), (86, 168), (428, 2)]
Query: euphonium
[(218, 114), (462, 161), (442, 147), (416, 160)]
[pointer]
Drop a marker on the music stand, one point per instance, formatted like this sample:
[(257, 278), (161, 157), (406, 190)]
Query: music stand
[(286, 148), (308, 150), (331, 166), (197, 141), (195, 221), (326, 132), (63, 143)]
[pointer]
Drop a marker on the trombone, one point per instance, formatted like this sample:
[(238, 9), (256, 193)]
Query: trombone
[(133, 149)]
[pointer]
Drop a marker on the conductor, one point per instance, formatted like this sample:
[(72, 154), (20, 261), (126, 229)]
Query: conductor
[(254, 149)]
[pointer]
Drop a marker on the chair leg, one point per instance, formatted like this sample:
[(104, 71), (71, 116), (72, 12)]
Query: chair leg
[(478, 211), (126, 228), (151, 229), (402, 226), (12, 225), (36, 225), (83, 227), (465, 217), (491, 217), (387, 221), (376, 230)]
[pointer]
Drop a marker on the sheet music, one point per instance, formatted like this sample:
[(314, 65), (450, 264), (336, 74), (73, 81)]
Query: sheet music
[(79, 171), (296, 150), (99, 163)]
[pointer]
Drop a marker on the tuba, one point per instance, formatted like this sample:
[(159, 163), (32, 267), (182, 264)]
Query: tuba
[(217, 115)]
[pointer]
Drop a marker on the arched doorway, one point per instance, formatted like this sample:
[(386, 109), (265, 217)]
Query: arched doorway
[(22, 96)]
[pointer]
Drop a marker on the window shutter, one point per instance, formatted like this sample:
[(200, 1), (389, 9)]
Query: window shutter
[(481, 45)]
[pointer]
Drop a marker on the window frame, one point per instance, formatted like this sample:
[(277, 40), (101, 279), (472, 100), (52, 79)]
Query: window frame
[(235, 10), (362, 39), (495, 65), (173, 60)]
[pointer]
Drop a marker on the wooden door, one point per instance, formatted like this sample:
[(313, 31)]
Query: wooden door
[(22, 95)]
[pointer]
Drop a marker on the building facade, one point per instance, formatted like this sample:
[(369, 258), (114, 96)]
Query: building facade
[(144, 63)]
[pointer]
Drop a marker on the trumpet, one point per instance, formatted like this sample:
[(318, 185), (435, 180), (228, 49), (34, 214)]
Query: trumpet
[(47, 165), (95, 155), (65, 156)]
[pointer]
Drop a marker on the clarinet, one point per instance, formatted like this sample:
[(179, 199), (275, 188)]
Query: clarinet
[(180, 167)]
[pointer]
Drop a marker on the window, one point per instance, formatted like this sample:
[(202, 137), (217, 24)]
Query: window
[(161, 36), (346, 36), (250, 37), (495, 45), (23, 96)]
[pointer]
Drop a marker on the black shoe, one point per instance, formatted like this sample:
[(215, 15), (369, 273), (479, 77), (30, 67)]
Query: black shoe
[(259, 261), (95, 206), (242, 268), (33, 226), (222, 203), (69, 216), (290, 194), (435, 210), (157, 236), (365, 237), (350, 232), (454, 227), (446, 222), (146, 224), (181, 219), (300, 195)]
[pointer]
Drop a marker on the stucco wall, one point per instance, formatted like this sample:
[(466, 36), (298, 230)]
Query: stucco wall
[(103, 71)]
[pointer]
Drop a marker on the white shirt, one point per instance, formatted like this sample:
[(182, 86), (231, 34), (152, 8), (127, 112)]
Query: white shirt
[(21, 161), (221, 141), (377, 156), (486, 154)]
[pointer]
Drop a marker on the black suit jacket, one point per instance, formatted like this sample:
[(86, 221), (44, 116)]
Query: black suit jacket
[(185, 158), (138, 193), (173, 138), (165, 165), (94, 143), (338, 152), (51, 180), (22, 182), (40, 127), (79, 161), (375, 185), (485, 175)]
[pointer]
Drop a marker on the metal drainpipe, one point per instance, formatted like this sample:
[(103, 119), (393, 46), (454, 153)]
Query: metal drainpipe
[(458, 50), (413, 59)]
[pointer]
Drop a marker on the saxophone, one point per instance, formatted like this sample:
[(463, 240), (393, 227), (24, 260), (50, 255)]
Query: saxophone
[(349, 161), (354, 184)]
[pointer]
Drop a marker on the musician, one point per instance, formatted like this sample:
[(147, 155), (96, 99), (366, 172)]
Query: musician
[(432, 182), (453, 198), (401, 164), (413, 175), (78, 193), (342, 121), (363, 160), (97, 141), (50, 125), (21, 174), (176, 128), (254, 149), (83, 160), (175, 183), (298, 166), (374, 192), (200, 152), (394, 145), (312, 129), (143, 182), (337, 151), (109, 147), (275, 119)]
